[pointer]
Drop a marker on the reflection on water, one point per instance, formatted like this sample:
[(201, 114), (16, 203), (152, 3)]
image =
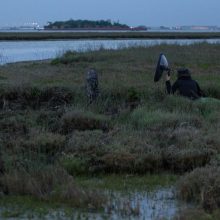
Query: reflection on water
[(159, 204), (15, 51)]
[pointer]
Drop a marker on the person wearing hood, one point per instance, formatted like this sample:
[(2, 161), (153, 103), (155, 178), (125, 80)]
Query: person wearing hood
[(184, 85)]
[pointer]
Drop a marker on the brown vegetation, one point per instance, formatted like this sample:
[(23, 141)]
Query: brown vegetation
[(202, 186)]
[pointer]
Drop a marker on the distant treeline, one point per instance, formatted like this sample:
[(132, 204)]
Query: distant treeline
[(75, 24)]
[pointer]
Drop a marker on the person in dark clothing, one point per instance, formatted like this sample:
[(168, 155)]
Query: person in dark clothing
[(184, 85)]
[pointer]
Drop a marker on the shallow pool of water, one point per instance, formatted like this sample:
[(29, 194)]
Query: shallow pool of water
[(157, 204)]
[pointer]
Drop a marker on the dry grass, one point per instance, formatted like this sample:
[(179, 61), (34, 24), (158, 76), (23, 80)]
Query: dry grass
[(105, 35), (50, 184), (79, 120), (194, 214), (39, 183), (202, 186)]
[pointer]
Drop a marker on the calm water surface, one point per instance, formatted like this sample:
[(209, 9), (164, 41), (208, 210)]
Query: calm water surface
[(16, 51)]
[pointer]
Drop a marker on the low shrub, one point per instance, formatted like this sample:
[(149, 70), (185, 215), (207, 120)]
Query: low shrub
[(49, 119), (177, 150), (202, 185), (196, 213), (211, 89), (23, 96), (133, 95), (182, 160), (47, 143), (177, 104), (201, 108), (80, 120), (89, 141), (206, 107), (74, 165), (81, 198), (50, 183), (118, 162), (125, 162), (144, 118), (13, 125), (38, 182), (70, 57), (56, 96)]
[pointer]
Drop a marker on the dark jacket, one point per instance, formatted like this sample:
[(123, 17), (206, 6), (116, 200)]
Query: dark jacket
[(185, 86)]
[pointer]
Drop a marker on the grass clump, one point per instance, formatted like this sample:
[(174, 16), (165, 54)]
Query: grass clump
[(71, 57), (52, 184), (201, 186), (22, 97), (81, 120), (183, 160), (126, 183), (145, 118), (73, 165), (13, 124), (46, 143), (37, 182), (197, 213), (211, 89)]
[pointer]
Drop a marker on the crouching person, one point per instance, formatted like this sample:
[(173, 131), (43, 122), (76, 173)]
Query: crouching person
[(184, 85)]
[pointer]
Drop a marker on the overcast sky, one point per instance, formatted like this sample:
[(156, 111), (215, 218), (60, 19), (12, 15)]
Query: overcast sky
[(131, 12)]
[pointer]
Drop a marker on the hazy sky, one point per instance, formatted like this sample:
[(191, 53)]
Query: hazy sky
[(131, 12)]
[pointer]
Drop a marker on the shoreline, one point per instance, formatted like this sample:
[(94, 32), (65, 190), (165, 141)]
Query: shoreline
[(50, 35)]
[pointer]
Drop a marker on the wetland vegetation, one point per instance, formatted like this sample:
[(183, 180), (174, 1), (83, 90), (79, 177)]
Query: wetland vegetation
[(84, 24), (56, 149)]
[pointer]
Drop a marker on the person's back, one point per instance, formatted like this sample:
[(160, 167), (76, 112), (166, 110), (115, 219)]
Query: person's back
[(184, 85)]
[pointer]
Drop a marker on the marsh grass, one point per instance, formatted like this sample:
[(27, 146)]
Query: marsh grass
[(143, 118), (104, 35), (194, 214), (201, 186), (127, 183), (51, 184), (133, 128), (79, 120)]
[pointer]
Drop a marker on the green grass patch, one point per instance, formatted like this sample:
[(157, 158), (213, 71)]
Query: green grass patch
[(125, 183), (143, 118)]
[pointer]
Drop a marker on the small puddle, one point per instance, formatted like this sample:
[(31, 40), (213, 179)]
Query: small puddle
[(158, 204)]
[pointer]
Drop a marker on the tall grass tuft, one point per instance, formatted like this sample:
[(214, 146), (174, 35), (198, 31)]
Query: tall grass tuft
[(202, 186), (82, 120), (145, 118)]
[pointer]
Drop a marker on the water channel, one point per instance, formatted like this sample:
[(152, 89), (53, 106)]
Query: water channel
[(16, 51)]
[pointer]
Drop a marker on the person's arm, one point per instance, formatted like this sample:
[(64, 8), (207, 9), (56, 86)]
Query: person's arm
[(170, 89), (168, 84)]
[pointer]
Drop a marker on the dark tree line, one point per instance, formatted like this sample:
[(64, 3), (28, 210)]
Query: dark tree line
[(84, 24)]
